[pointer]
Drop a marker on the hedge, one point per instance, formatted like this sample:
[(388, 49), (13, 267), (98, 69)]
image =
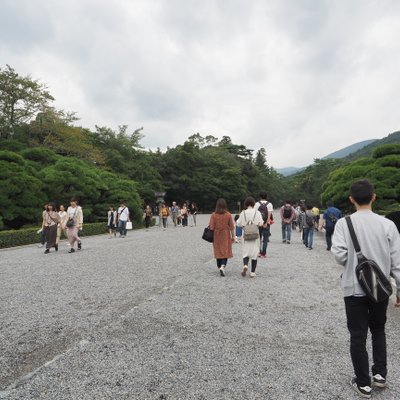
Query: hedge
[(26, 236)]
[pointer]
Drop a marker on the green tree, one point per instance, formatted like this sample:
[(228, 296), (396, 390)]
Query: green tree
[(382, 169), (21, 98), (21, 194)]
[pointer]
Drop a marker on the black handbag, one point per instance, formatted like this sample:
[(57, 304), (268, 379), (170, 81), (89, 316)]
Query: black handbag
[(208, 235), (369, 275)]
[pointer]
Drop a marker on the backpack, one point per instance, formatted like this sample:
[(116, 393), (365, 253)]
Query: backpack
[(250, 230), (287, 212), (332, 218), (264, 210), (309, 220)]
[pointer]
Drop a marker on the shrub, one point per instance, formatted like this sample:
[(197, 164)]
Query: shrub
[(20, 237)]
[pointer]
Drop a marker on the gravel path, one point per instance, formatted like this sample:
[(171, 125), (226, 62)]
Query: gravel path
[(149, 317)]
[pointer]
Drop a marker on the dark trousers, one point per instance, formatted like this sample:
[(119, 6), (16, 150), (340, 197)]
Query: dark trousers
[(147, 221), (253, 263), (221, 261), (264, 239), (328, 235), (362, 313)]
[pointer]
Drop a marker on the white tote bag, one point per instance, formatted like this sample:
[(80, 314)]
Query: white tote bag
[(129, 225)]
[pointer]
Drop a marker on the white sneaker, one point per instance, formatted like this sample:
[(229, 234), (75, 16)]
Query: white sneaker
[(222, 271), (252, 274)]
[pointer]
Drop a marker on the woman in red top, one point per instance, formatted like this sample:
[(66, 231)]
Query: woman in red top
[(221, 223)]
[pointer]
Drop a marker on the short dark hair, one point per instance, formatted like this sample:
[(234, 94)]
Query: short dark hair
[(288, 202), (221, 207), (362, 192), (74, 199), (249, 202), (263, 195)]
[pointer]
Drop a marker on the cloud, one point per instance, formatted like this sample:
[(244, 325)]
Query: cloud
[(300, 78)]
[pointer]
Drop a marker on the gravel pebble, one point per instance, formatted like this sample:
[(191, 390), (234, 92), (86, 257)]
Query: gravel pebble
[(149, 317)]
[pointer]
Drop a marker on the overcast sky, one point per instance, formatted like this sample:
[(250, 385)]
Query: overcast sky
[(301, 78)]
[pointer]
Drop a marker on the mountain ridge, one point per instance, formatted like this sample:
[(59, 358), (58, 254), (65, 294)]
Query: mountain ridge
[(349, 153)]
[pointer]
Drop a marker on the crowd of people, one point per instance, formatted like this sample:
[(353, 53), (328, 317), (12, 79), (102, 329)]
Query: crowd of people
[(378, 237), (54, 222), (183, 215), (379, 241)]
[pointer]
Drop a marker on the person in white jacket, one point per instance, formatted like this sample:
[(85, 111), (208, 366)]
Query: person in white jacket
[(74, 224), (379, 241)]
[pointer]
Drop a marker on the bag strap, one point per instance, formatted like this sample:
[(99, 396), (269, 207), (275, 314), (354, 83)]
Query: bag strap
[(255, 213), (353, 237), (48, 213)]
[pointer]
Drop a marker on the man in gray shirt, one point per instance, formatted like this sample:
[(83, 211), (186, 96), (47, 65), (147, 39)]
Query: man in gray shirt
[(379, 241)]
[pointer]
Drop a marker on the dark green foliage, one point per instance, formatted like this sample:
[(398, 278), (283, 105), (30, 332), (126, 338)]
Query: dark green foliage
[(385, 150), (383, 170), (307, 184), (21, 194), (29, 235)]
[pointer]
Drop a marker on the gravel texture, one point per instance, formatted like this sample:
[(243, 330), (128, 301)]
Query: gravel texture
[(149, 317)]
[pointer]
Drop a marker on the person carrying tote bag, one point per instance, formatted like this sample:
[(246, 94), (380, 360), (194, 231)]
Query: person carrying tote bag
[(221, 223), (250, 219)]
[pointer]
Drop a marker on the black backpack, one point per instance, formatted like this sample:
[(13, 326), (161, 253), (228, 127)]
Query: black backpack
[(310, 220), (264, 210), (287, 212)]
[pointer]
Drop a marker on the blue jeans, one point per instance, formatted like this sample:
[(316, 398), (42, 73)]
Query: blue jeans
[(286, 231), (122, 227), (309, 236), (264, 236)]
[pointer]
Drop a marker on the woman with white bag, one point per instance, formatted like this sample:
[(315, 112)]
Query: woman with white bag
[(250, 219)]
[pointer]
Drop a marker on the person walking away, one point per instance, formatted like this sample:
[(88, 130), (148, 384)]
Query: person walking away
[(265, 208), (238, 230), (122, 219), (111, 222), (330, 217), (315, 211), (250, 247), (309, 218), (148, 215), (164, 214), (74, 224), (42, 237), (50, 223), (61, 225), (184, 214), (175, 213), (379, 241), (193, 212), (288, 214), (221, 223), (301, 222)]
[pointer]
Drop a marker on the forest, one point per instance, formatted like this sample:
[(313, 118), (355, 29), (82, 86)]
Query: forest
[(46, 156)]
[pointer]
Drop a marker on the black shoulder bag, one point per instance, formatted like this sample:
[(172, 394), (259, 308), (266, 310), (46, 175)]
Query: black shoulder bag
[(370, 277), (208, 235)]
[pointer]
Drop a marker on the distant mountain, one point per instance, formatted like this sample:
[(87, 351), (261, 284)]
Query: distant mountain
[(366, 151), (289, 170), (350, 149), (350, 153)]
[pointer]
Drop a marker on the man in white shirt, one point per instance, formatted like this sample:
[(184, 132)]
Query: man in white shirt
[(265, 208), (122, 219)]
